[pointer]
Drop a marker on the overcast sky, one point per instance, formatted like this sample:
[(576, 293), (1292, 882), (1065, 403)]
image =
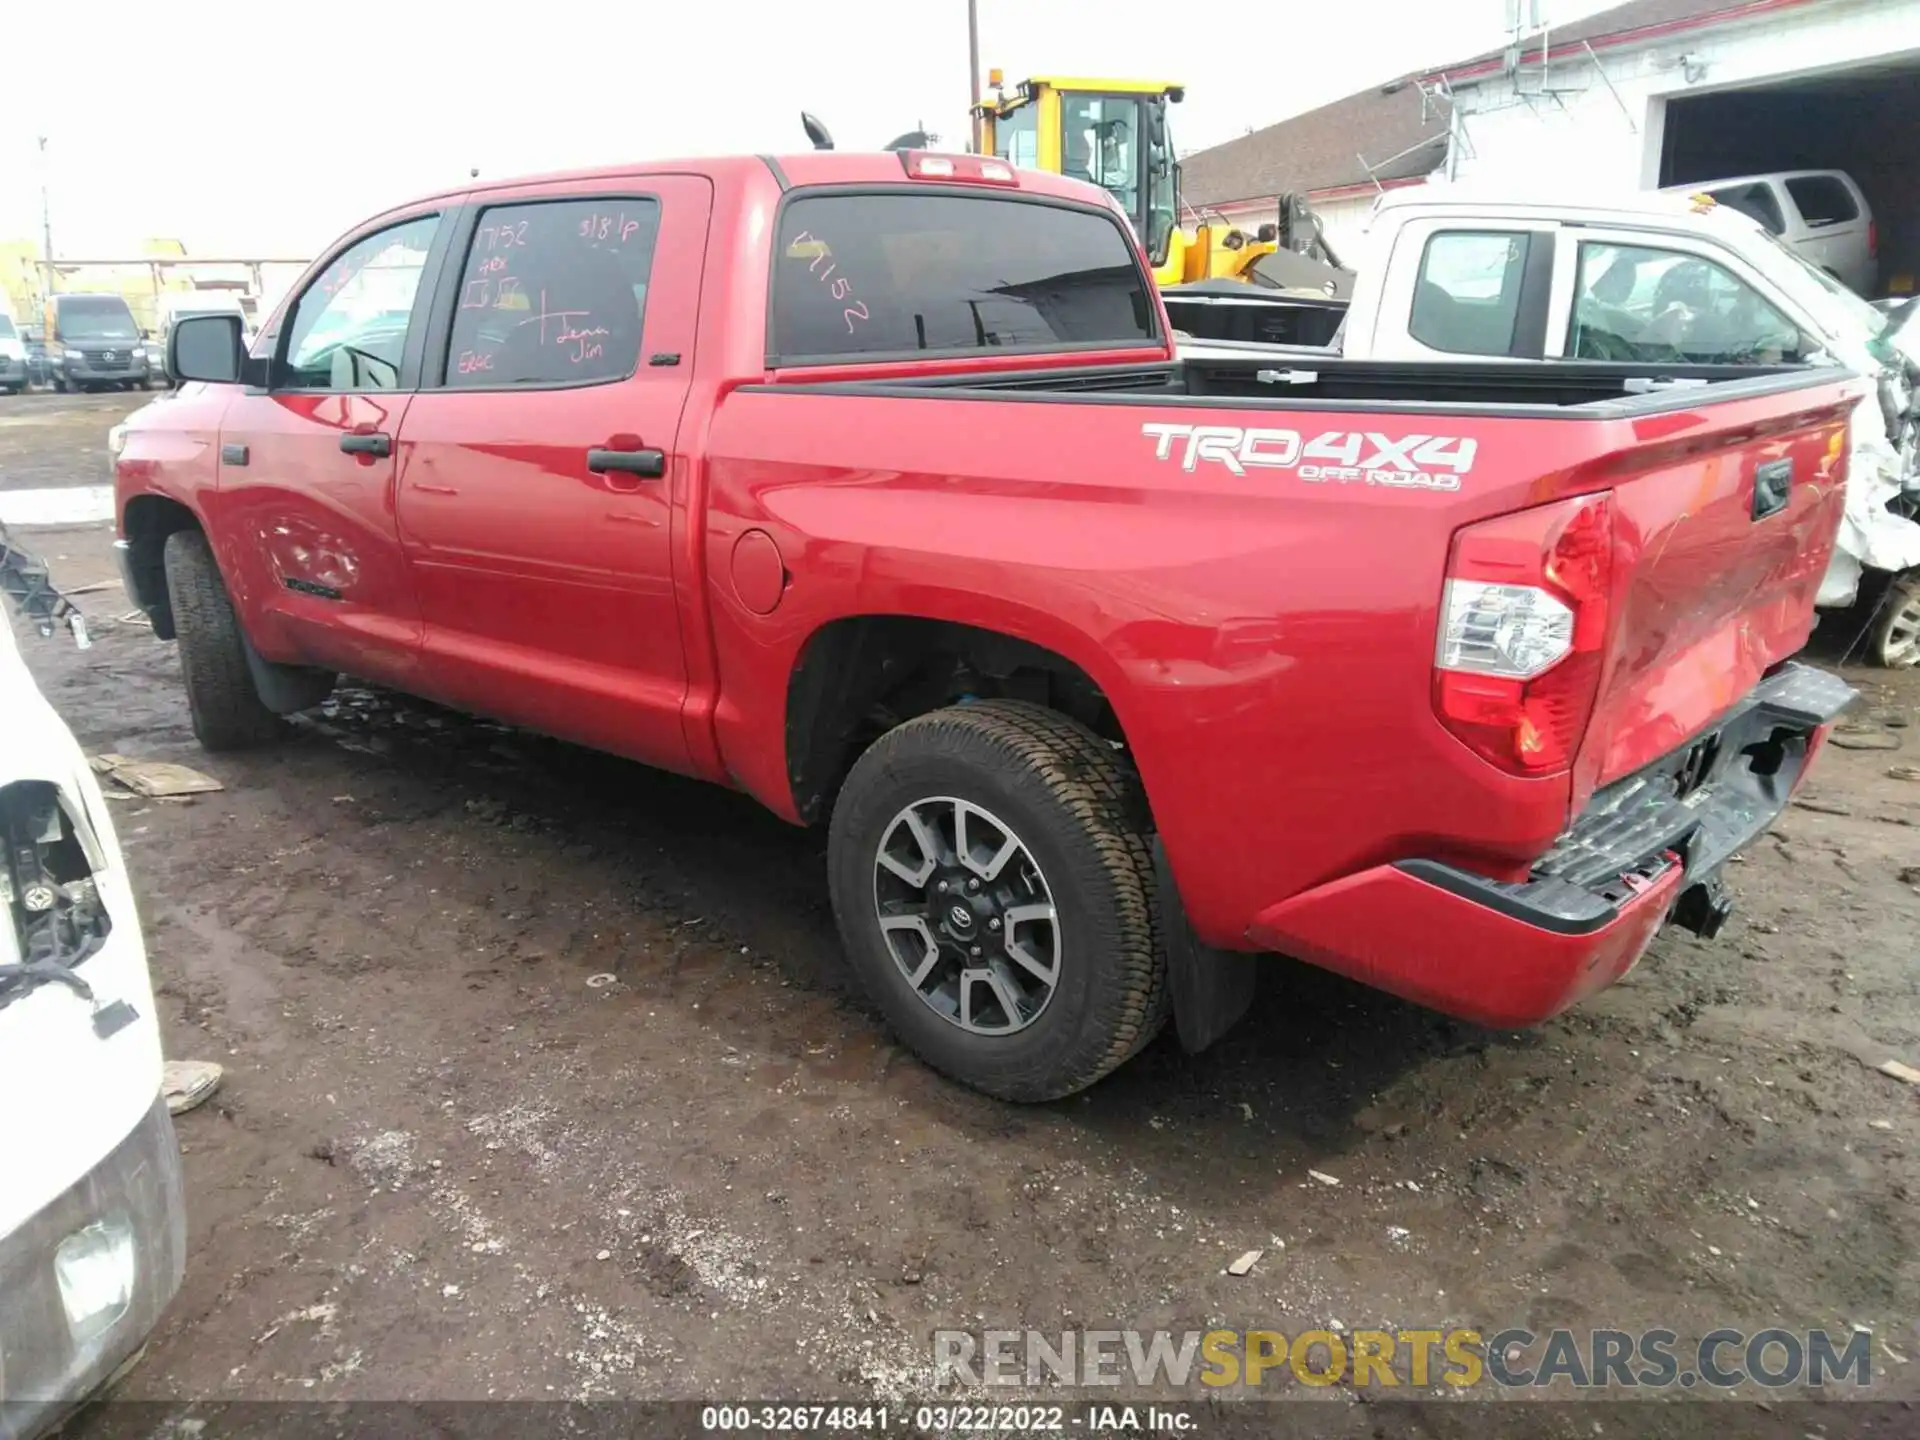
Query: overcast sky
[(266, 128)]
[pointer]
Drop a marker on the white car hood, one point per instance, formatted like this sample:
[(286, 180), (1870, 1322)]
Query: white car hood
[(72, 1095)]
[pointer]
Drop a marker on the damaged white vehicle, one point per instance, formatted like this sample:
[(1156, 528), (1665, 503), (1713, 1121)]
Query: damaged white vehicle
[(1679, 284), (92, 1221)]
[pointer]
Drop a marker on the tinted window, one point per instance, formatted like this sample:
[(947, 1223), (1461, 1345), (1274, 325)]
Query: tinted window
[(900, 273), (1637, 303), (553, 294), (1757, 201), (1822, 199), (91, 317), (1467, 299), (349, 329)]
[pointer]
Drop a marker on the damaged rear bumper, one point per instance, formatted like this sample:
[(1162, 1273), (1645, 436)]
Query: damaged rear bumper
[(1647, 849)]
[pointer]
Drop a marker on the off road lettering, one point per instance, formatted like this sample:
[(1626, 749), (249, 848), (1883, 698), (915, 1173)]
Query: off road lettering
[(1421, 462)]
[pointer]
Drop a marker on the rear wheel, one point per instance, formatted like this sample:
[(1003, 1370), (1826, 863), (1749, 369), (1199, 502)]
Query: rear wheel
[(226, 708), (995, 893), (1894, 639)]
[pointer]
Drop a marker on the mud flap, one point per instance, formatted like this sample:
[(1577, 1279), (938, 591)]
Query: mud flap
[(1211, 988), (283, 689)]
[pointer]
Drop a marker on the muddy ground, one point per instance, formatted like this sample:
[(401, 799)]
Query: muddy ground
[(544, 1080)]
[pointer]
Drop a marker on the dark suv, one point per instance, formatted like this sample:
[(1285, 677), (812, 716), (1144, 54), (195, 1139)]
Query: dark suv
[(93, 342)]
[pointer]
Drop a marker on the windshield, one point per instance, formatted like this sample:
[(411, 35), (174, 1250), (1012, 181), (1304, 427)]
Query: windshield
[(1843, 299), (7, 332), (96, 322)]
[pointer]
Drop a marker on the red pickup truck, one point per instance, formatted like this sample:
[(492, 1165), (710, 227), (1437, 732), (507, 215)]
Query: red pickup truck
[(871, 485)]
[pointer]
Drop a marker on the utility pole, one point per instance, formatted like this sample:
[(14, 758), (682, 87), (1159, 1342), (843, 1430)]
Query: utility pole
[(973, 76), (46, 224)]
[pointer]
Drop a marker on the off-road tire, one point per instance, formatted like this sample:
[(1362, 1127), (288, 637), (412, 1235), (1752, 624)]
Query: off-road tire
[(1077, 806), (227, 711)]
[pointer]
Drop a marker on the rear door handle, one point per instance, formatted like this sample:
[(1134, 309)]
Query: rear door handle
[(650, 463), (377, 443), (1772, 488)]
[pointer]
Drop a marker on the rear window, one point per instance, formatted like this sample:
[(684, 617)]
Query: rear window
[(6, 329), (1822, 199), (1756, 201), (1467, 300), (906, 273)]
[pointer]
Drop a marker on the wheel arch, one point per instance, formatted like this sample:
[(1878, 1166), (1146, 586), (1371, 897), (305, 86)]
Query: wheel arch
[(855, 676), (145, 523)]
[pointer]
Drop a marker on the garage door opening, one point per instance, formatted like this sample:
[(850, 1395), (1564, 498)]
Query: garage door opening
[(1864, 121)]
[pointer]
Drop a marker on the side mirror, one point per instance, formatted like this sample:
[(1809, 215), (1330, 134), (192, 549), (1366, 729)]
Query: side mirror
[(816, 132), (206, 347)]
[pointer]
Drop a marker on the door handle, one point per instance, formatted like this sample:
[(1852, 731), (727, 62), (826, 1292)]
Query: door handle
[(650, 463), (1772, 484), (377, 443)]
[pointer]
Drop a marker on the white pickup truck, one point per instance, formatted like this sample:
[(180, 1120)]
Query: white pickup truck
[(92, 1223), (1670, 281)]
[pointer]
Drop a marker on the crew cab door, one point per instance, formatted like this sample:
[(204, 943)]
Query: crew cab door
[(306, 527), (538, 463), (1454, 289), (1653, 297)]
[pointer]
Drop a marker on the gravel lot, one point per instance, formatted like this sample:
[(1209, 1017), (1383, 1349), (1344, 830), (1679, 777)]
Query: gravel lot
[(545, 1081)]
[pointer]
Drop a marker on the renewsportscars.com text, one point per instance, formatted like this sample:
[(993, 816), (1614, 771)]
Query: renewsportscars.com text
[(1463, 1359)]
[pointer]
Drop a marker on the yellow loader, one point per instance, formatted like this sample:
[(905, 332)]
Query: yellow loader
[(1115, 134)]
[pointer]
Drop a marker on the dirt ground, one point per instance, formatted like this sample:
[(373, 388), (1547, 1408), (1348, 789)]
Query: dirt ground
[(545, 1080)]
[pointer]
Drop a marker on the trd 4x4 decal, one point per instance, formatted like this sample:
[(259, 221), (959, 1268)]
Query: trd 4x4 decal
[(1418, 462)]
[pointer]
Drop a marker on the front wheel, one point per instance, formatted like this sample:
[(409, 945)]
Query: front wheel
[(995, 893), (227, 711)]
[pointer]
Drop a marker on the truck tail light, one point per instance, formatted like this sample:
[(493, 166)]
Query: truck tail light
[(1523, 628), (969, 169), (1873, 239)]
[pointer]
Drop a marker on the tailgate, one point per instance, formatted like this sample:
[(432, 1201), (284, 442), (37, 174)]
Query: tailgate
[(1724, 521)]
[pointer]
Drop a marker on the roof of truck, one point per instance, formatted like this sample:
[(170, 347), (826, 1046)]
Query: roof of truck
[(811, 167), (1572, 201)]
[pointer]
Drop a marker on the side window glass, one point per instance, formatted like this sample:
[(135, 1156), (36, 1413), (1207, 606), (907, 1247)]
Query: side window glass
[(1467, 299), (349, 330), (553, 293), (1822, 200), (1640, 303)]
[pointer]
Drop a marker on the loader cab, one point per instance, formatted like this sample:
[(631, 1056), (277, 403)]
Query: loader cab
[(1113, 133)]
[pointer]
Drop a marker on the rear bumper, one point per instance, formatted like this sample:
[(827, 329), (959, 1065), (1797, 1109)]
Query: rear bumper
[(1647, 849), (44, 1369)]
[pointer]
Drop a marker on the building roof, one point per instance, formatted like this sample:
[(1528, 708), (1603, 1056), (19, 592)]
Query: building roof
[(1322, 150), (1636, 22)]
